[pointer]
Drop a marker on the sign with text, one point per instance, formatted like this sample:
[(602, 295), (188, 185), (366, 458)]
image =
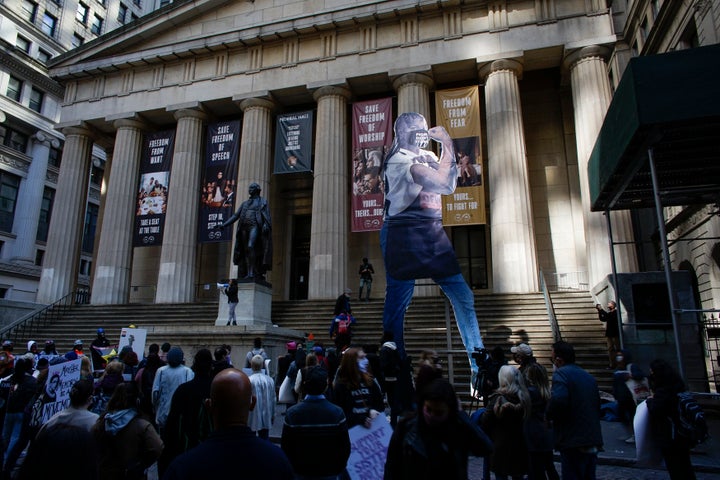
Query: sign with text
[(217, 190), (56, 397), (293, 142), (458, 110), (152, 196), (371, 139), (368, 450)]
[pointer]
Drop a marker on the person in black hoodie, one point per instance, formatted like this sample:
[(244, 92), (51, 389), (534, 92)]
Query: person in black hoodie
[(23, 387)]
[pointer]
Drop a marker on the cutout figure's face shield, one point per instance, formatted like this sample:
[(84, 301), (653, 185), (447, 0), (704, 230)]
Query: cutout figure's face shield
[(419, 138)]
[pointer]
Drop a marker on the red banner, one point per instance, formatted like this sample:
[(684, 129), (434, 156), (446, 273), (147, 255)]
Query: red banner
[(371, 138)]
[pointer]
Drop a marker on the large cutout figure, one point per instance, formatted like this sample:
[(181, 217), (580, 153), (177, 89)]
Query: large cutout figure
[(412, 239)]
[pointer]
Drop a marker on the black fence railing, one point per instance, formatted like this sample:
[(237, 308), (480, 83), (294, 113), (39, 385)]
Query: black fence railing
[(31, 323)]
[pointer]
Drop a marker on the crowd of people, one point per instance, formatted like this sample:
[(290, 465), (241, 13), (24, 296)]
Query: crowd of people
[(205, 420)]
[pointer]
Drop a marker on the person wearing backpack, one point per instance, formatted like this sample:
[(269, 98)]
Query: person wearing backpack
[(662, 407)]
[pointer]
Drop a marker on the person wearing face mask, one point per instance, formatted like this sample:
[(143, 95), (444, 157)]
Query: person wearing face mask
[(412, 239), (436, 442), (355, 390)]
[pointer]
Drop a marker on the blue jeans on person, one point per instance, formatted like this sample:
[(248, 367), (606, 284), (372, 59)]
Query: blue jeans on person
[(398, 295), (231, 313), (367, 283), (11, 432), (577, 465)]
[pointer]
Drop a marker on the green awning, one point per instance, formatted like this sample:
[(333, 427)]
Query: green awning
[(670, 102)]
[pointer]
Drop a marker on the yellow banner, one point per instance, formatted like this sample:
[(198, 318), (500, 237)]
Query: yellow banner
[(458, 110)]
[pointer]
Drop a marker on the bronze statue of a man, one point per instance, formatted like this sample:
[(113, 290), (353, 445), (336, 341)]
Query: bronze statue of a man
[(253, 243)]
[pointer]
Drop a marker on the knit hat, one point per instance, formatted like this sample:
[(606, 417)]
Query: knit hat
[(522, 349), (175, 356), (291, 346)]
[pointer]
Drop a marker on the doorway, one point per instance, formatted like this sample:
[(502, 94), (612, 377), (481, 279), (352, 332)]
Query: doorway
[(300, 257), (469, 244)]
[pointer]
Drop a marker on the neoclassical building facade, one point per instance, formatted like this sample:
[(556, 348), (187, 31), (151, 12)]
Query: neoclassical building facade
[(542, 71)]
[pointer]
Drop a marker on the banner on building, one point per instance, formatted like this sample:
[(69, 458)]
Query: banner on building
[(371, 139), (458, 110), (293, 142), (217, 192), (155, 164)]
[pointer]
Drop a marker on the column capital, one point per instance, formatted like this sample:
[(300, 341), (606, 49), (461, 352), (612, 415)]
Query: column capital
[(503, 64), (82, 129), (592, 51), (190, 113), (44, 138), (413, 77), (257, 102), (129, 123), (329, 90)]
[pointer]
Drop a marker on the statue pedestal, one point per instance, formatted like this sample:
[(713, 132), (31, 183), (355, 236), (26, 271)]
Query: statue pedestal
[(254, 306)]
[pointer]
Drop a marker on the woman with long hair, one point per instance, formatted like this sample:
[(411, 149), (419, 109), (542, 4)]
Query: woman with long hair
[(355, 390), (538, 434), (504, 420), (437, 440)]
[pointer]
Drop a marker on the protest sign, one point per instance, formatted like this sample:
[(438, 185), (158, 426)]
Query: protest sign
[(368, 450)]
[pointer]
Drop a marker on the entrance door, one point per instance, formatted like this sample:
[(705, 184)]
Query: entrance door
[(300, 257), (469, 244)]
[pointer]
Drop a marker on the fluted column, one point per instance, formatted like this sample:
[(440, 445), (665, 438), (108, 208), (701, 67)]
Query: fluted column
[(176, 280), (591, 98), (62, 256), (329, 228), (111, 283), (30, 197), (511, 219), (413, 92)]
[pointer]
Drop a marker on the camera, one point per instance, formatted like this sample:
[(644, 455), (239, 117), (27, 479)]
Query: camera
[(482, 358)]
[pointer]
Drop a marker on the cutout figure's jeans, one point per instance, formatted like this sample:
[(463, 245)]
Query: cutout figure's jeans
[(398, 295)]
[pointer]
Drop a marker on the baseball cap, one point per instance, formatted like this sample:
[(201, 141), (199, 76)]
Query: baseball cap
[(78, 343), (522, 349)]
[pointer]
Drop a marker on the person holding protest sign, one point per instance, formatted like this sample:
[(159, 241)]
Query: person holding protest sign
[(356, 391)]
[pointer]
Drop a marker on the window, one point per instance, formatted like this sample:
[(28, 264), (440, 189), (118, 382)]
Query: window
[(43, 56), (138, 3), (55, 157), (82, 13), (133, 17), (49, 24), (39, 255), (29, 10), (13, 139), (45, 212), (36, 100), (96, 25), (76, 40), (9, 185), (14, 89), (96, 173), (23, 44), (122, 13), (91, 216)]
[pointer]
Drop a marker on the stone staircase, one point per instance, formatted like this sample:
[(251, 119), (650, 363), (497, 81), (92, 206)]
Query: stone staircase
[(505, 320)]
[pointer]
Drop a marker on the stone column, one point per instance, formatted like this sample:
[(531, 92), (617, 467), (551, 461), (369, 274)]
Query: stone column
[(30, 197), (176, 279), (591, 98), (413, 91), (111, 283), (62, 256), (511, 220), (329, 229)]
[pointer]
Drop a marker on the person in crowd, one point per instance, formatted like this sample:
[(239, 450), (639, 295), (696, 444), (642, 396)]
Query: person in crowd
[(436, 441), (32, 349), (366, 271), (78, 349), (167, 380), (145, 377), (256, 350), (319, 351), (263, 388), (574, 409), (355, 390), (164, 349), (49, 352), (221, 360), (341, 330), (662, 407), (62, 451), (311, 360), (232, 295), (630, 387), (538, 435), (7, 359), (153, 349), (428, 369), (128, 444), (77, 414), (283, 363), (523, 356), (318, 419), (503, 419), (612, 330), (491, 382), (188, 423), (86, 368), (231, 445), (389, 373), (23, 387), (97, 349), (106, 384), (342, 303)]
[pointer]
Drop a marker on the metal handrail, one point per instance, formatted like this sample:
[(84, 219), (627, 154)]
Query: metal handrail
[(19, 328), (552, 318)]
